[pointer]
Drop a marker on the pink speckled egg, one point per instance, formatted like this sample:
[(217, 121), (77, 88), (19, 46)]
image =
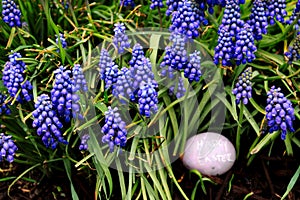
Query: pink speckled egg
[(210, 153)]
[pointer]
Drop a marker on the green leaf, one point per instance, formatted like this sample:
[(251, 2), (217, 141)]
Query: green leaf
[(250, 117), (228, 106), (67, 165), (291, 184), (266, 140)]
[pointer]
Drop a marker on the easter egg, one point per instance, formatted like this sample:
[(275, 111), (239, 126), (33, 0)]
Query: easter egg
[(209, 153)]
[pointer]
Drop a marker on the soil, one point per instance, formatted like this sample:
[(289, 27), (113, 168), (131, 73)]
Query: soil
[(265, 178)]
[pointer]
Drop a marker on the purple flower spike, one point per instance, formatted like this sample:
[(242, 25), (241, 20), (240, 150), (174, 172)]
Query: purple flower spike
[(114, 129), (47, 122), (279, 112), (7, 148), (243, 87)]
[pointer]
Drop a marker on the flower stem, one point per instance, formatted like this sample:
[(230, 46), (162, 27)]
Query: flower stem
[(160, 17), (238, 133)]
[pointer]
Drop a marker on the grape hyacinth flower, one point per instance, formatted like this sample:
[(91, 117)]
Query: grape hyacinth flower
[(258, 19), (120, 39), (224, 51), (148, 99), (104, 61), (13, 79), (83, 142), (228, 30), (295, 14), (47, 122), (111, 75), (177, 87), (126, 3), (177, 54), (243, 87), (293, 17), (279, 112), (142, 72), (66, 5), (192, 71), (156, 3), (137, 54), (276, 9), (123, 87), (172, 76), (172, 5), (222, 3), (293, 53), (114, 129), (64, 101), (244, 47), (79, 80), (210, 4), (7, 148), (4, 109), (187, 19), (232, 18), (62, 40), (165, 65), (11, 13)]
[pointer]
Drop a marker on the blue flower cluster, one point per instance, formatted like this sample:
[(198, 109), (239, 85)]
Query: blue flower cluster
[(276, 9), (141, 72), (224, 51), (172, 6), (111, 75), (11, 13), (192, 71), (293, 17), (120, 39), (177, 55), (244, 47), (279, 112), (126, 83), (177, 87), (127, 3), (156, 3), (176, 58), (47, 122), (148, 100), (202, 5), (4, 109), (228, 30), (258, 19), (137, 54), (236, 41), (83, 142), (293, 53), (62, 39), (66, 5), (79, 81), (243, 87), (7, 148), (232, 18), (13, 79), (64, 101), (165, 65), (123, 87), (223, 2), (186, 20), (114, 129), (172, 76), (104, 62)]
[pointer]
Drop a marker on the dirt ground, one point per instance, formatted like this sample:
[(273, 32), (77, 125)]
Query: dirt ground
[(266, 178)]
